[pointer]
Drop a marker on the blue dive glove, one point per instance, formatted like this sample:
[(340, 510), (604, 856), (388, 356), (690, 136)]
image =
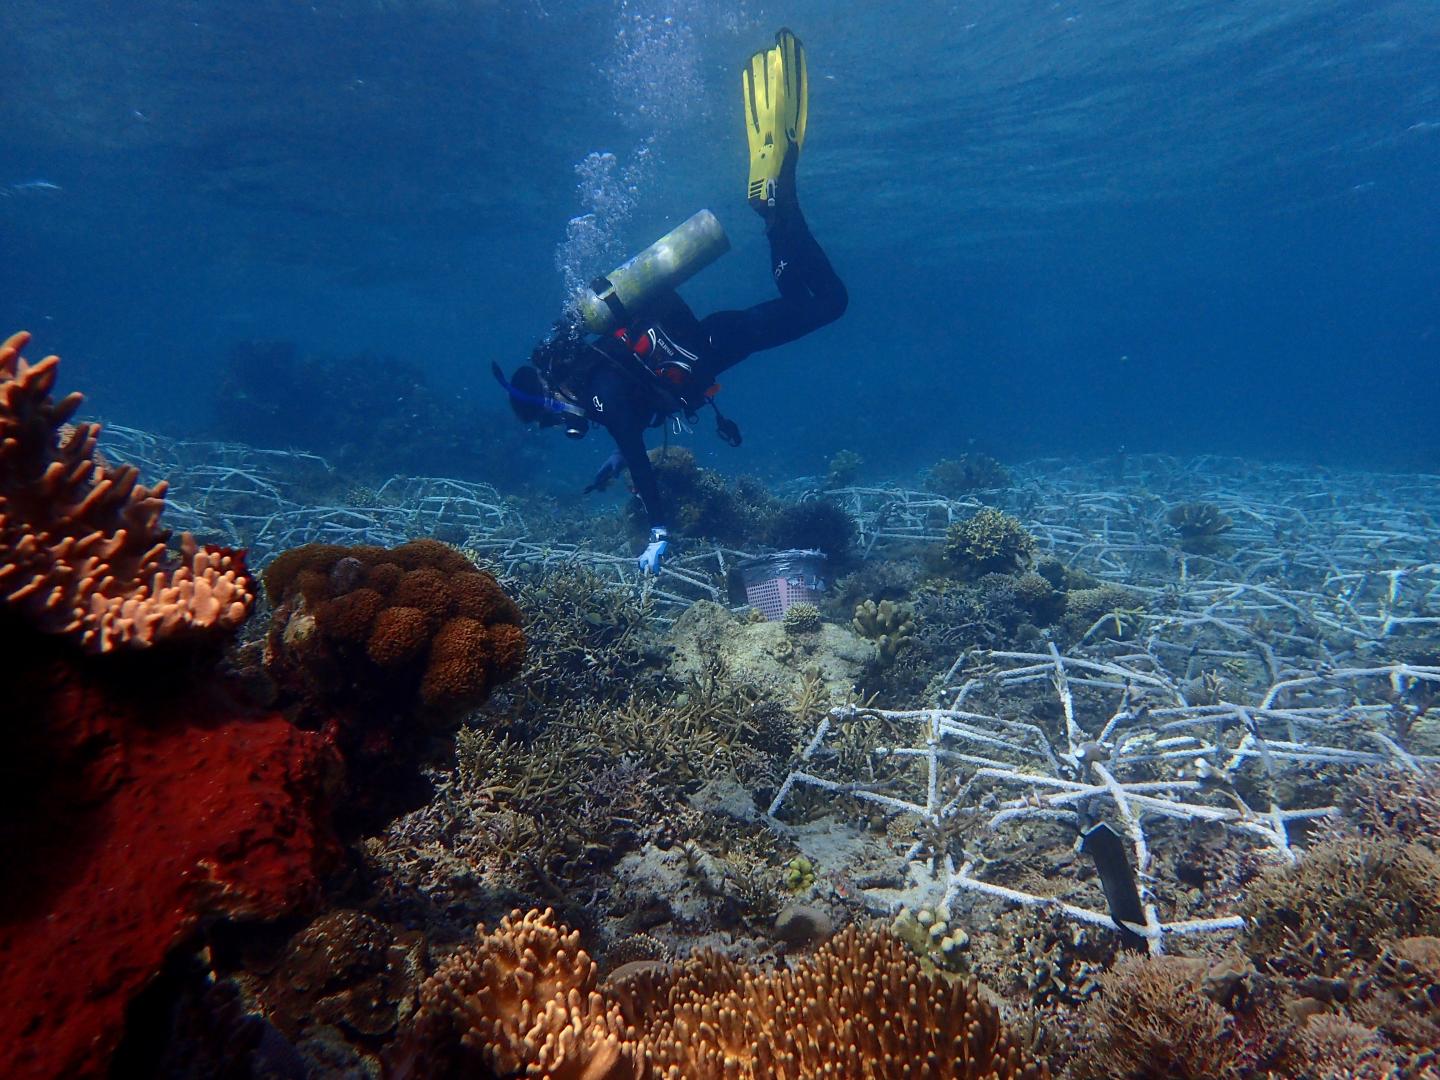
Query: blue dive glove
[(659, 544)]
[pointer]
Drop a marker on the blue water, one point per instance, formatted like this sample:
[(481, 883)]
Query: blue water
[(1067, 228)]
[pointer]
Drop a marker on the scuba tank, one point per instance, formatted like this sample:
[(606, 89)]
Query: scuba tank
[(610, 301)]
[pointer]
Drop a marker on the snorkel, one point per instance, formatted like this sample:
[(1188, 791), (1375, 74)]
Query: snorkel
[(547, 408)]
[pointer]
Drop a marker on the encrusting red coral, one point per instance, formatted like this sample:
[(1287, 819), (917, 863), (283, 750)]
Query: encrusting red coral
[(136, 799), (86, 556), (128, 820)]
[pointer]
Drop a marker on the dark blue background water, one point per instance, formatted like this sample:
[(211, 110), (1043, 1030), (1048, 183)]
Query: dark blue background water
[(1065, 227)]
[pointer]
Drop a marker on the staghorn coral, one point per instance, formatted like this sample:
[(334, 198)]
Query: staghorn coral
[(549, 810), (1331, 914), (1329, 1046), (589, 642), (1399, 804), (1152, 1021), (86, 554), (990, 542), (526, 1000), (1401, 996)]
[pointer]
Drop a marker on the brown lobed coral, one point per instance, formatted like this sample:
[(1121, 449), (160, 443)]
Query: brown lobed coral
[(86, 556), (378, 625), (526, 1000)]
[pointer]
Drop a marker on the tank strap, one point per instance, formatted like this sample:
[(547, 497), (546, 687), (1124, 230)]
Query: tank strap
[(604, 290)]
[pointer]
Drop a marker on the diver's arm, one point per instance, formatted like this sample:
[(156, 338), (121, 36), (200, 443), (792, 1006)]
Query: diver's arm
[(614, 404), (642, 473)]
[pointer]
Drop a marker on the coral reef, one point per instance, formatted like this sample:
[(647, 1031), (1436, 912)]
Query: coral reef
[(842, 469), (703, 503), (890, 625), (814, 524), (892, 578), (525, 999), (346, 970), (588, 642), (763, 655), (86, 556), (954, 477), (1104, 611), (370, 415), (376, 644), (1041, 601), (802, 618), (1153, 1021), (1400, 998), (139, 800), (548, 812), (1200, 527), (1329, 917), (990, 542)]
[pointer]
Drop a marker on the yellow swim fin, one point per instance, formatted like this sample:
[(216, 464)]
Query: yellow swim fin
[(776, 89)]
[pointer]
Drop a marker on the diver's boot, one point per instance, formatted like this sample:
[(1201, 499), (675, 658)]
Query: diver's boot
[(775, 86)]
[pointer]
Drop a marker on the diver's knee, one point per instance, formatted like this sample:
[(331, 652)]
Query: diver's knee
[(836, 301)]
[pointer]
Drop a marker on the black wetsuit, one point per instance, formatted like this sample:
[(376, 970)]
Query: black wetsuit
[(625, 399)]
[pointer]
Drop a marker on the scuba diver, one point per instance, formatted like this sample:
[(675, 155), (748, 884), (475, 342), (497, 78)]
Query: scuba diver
[(650, 360)]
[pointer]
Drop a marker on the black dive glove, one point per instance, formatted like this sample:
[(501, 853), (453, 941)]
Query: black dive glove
[(611, 469)]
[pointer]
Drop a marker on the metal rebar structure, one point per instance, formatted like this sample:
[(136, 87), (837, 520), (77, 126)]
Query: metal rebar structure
[(1269, 657)]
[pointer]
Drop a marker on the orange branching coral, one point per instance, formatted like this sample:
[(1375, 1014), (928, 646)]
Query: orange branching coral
[(86, 556), (526, 1000)]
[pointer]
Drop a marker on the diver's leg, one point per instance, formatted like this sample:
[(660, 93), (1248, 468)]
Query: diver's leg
[(811, 295)]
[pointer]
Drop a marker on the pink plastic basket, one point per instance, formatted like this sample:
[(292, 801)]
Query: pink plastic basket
[(776, 583)]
